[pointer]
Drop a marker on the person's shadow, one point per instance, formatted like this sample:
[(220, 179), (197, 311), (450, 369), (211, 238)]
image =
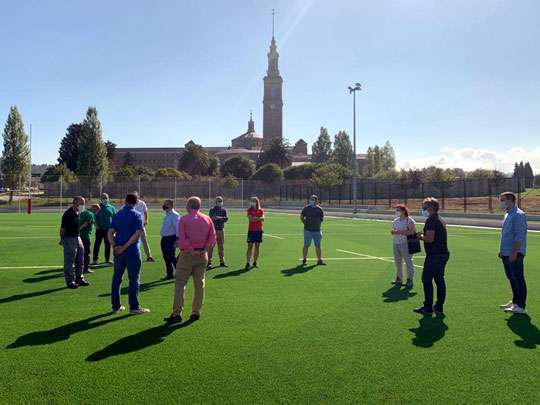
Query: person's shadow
[(137, 341), (142, 287), (232, 273), (430, 330), (18, 297), (396, 293), (300, 269), (58, 270), (63, 332), (521, 325), (43, 278)]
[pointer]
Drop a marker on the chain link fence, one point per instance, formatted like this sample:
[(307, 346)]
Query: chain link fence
[(459, 195)]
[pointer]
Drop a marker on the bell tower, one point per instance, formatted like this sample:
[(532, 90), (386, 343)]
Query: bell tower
[(272, 101)]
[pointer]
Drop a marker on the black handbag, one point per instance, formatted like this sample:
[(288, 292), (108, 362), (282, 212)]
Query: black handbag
[(413, 243)]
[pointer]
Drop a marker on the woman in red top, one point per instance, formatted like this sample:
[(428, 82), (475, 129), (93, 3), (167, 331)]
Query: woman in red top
[(255, 216)]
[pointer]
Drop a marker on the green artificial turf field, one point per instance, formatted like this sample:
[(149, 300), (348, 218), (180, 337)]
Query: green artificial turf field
[(281, 333)]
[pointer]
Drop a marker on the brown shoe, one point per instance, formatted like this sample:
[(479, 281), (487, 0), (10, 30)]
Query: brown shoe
[(194, 317)]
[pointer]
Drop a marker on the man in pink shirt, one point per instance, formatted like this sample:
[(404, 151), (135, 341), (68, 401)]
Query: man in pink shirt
[(197, 236)]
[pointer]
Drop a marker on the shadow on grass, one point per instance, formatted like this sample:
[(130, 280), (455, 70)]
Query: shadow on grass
[(64, 332), (138, 341), (430, 330), (297, 270), (46, 277), (58, 270), (142, 287), (521, 325), (18, 297), (396, 293), (232, 273)]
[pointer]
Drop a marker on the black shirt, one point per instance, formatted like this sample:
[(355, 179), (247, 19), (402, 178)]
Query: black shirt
[(439, 245), (70, 223), (313, 216)]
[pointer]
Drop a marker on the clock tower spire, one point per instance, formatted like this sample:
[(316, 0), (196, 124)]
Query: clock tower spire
[(272, 101)]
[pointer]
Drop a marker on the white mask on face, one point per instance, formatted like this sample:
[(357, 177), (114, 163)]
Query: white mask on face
[(219, 204), (312, 202), (252, 204), (82, 208), (425, 213), (398, 213), (503, 205), (104, 201)]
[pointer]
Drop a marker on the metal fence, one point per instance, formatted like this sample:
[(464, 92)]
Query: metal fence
[(466, 195)]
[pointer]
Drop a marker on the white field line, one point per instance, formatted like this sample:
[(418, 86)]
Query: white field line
[(384, 259), (338, 258), (30, 267), (273, 236)]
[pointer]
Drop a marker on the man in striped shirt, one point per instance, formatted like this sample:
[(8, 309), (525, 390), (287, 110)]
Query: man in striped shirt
[(196, 236)]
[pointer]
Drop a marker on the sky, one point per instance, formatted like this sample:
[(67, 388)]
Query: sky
[(447, 82)]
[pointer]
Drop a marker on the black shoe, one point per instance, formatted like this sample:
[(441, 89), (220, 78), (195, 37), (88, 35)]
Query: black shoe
[(247, 267), (194, 317), (168, 277), (172, 319), (223, 264), (73, 285), (150, 259), (83, 283), (423, 310), (304, 262), (88, 271), (320, 263), (438, 310), (209, 266), (255, 265)]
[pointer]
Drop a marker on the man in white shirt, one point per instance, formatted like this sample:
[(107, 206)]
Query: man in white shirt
[(142, 209), (169, 235)]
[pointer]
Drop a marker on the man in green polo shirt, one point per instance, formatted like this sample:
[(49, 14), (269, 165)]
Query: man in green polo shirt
[(87, 220), (103, 223)]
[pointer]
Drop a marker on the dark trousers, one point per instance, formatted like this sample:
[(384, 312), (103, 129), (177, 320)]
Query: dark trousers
[(168, 249), (86, 257), (434, 266), (515, 274), (101, 235), (131, 262)]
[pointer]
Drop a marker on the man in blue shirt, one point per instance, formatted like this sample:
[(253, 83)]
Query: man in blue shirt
[(512, 252), (124, 234), (218, 214), (169, 232)]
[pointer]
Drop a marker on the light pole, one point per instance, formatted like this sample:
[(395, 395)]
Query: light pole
[(353, 90)]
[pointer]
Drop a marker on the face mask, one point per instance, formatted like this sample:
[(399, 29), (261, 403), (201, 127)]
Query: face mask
[(252, 205), (503, 205), (312, 202), (104, 201), (425, 213), (398, 213), (81, 208), (219, 204)]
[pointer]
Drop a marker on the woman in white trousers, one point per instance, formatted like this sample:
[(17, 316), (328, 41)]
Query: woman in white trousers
[(402, 226)]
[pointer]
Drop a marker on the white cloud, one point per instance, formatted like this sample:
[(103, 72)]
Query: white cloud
[(471, 158)]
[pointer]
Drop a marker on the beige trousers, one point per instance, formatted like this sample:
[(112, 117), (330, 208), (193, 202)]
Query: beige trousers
[(187, 266), (220, 241), (401, 254)]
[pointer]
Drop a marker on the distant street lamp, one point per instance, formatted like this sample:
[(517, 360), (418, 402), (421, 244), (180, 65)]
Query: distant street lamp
[(353, 90)]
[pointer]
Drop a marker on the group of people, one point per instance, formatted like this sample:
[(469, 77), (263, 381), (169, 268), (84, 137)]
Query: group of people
[(196, 234), (513, 248)]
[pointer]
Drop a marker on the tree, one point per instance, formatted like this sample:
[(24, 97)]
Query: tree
[(231, 182), (388, 157), (53, 173), (528, 175), (343, 151), (276, 151), (239, 167), (300, 172), (321, 150), (537, 181), (125, 173), (213, 164), (194, 160), (268, 173), (171, 173), (325, 177), (111, 151), (15, 163), (380, 158), (92, 162), (128, 159), (68, 154)]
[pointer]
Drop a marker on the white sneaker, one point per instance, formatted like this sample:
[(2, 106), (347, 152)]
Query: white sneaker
[(509, 304), (122, 308), (516, 309), (139, 311)]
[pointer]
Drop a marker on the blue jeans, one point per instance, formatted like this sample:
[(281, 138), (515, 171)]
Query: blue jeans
[(515, 274), (132, 262), (434, 266)]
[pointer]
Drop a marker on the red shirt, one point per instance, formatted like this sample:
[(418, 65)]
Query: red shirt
[(257, 225), (196, 231)]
